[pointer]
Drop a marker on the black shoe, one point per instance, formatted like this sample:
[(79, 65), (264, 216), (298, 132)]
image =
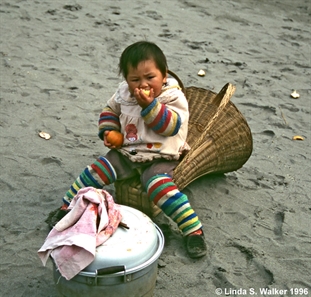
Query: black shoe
[(55, 216), (195, 245)]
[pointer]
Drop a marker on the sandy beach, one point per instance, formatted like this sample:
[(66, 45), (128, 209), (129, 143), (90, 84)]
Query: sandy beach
[(59, 66)]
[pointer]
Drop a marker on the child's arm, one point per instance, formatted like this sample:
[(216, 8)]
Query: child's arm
[(108, 120), (164, 118)]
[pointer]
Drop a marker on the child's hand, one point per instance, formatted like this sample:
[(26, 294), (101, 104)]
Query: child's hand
[(106, 143), (143, 98)]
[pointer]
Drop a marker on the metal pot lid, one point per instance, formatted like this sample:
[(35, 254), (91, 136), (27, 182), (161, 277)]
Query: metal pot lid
[(127, 247)]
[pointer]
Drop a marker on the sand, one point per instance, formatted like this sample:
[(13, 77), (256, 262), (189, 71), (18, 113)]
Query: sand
[(59, 67)]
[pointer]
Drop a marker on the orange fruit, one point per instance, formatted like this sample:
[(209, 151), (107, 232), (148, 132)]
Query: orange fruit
[(115, 138)]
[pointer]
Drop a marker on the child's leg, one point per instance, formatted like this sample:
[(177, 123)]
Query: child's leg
[(164, 193), (104, 171), (96, 175)]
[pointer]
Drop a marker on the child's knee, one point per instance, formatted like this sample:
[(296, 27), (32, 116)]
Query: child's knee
[(165, 167)]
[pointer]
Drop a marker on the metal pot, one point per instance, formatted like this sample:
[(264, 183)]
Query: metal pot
[(125, 265)]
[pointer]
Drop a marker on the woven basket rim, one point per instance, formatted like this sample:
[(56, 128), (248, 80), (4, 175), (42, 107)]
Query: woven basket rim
[(181, 84)]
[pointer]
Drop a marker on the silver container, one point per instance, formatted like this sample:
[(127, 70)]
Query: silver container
[(125, 265)]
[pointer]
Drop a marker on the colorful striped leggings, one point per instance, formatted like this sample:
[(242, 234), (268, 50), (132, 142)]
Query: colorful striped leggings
[(160, 189)]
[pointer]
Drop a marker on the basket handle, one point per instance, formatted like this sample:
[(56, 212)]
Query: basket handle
[(173, 74), (221, 100)]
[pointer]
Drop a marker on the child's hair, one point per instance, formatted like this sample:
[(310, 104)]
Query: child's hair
[(142, 51)]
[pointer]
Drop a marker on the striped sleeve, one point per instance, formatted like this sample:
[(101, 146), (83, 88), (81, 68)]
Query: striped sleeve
[(161, 119), (108, 120)]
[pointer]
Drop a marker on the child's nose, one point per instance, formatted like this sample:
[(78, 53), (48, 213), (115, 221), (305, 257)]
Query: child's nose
[(143, 84)]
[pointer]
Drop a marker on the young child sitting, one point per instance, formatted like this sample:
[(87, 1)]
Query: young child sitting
[(151, 111)]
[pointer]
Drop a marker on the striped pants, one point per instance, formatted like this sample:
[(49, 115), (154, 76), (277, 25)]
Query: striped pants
[(97, 175), (164, 193)]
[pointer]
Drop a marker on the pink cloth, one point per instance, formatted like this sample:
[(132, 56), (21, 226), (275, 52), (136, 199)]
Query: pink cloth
[(72, 242)]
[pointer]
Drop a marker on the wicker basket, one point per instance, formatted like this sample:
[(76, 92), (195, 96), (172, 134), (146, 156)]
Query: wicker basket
[(220, 141)]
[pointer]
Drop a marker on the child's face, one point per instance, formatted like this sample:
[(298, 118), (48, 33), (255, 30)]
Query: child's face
[(146, 76)]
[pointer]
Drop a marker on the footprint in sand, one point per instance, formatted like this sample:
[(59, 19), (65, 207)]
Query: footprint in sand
[(269, 224), (243, 270), (49, 160)]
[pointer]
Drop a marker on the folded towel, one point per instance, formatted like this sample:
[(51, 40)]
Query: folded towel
[(92, 219)]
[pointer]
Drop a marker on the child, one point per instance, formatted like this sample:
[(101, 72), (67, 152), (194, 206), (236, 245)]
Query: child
[(152, 112)]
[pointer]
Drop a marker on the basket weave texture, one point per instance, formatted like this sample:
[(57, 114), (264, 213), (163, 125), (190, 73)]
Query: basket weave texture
[(220, 141)]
